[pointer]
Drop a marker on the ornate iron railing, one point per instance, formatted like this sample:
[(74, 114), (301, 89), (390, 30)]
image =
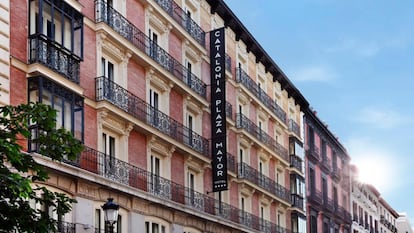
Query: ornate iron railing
[(54, 56), (296, 162), (181, 17), (296, 200), (125, 100), (248, 173), (315, 196), (326, 162), (135, 177), (243, 78), (313, 152), (244, 123), (328, 203), (294, 127), (105, 13), (336, 173)]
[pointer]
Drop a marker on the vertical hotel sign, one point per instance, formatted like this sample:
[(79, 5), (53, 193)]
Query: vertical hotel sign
[(218, 110)]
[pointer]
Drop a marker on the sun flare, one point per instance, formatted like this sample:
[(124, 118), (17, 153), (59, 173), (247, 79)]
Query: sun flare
[(374, 170)]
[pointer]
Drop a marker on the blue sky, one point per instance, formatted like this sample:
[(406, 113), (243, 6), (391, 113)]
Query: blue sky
[(354, 62)]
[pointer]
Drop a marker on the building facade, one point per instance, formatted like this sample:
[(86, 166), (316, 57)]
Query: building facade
[(132, 80), (370, 212), (365, 200), (327, 179)]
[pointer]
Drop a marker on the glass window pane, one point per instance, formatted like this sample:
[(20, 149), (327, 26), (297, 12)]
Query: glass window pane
[(59, 111)]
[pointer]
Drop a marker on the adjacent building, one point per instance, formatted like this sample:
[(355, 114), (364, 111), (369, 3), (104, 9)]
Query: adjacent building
[(370, 212), (327, 179), (150, 87)]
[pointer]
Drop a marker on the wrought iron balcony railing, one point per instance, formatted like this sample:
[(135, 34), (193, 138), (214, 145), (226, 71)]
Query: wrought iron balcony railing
[(326, 163), (181, 17), (254, 176), (243, 78), (315, 196), (125, 100), (105, 13), (244, 123), (296, 201), (54, 56), (294, 127), (313, 152), (122, 172), (336, 173), (328, 203), (296, 162)]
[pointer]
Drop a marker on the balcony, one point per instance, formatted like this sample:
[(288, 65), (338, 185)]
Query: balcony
[(326, 163), (181, 17), (123, 99), (294, 127), (296, 162), (107, 14), (54, 56), (336, 174), (296, 200), (120, 171), (328, 204), (313, 153), (248, 173), (315, 196), (243, 122), (243, 78)]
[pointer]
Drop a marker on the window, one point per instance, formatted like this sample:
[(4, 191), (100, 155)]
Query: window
[(155, 226), (311, 138), (312, 179), (192, 120), (107, 68), (69, 106), (324, 189), (280, 178), (313, 222), (59, 22), (192, 195), (154, 43), (154, 110), (63, 221)]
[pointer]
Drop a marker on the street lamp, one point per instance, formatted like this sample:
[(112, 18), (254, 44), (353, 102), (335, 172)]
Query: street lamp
[(110, 209)]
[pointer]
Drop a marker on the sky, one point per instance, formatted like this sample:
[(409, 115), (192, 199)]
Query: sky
[(354, 62)]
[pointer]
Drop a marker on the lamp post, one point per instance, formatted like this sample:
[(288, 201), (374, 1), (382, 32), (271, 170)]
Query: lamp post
[(110, 209)]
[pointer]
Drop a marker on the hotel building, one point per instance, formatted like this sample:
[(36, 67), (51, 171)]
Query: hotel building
[(132, 80)]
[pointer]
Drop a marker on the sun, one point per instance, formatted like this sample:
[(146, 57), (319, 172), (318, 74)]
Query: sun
[(374, 171)]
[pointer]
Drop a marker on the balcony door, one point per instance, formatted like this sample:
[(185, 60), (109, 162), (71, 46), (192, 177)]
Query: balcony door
[(324, 190), (155, 169), (154, 107), (108, 148), (153, 36)]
